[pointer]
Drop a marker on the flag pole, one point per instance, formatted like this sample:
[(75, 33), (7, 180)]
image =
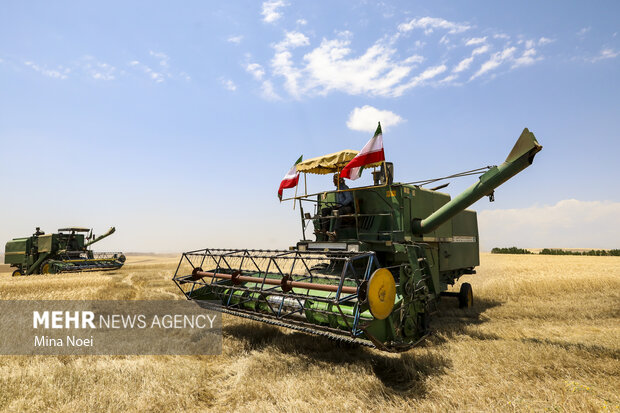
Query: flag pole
[(295, 197), (338, 185), (385, 173)]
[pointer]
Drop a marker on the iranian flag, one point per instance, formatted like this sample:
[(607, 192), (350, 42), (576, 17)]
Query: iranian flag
[(371, 152), (290, 179)]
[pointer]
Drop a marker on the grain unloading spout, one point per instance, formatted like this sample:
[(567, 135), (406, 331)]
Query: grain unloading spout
[(521, 156), (100, 237)]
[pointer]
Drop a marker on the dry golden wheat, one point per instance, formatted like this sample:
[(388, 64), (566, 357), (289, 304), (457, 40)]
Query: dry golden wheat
[(544, 334)]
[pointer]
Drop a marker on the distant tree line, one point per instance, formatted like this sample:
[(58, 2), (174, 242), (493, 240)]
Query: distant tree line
[(548, 251), (553, 251), (511, 250)]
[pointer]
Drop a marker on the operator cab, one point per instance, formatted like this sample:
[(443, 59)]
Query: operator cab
[(366, 216)]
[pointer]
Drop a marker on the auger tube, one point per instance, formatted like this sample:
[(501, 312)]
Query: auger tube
[(100, 237), (521, 156)]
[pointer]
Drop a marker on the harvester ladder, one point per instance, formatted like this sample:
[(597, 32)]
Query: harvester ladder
[(419, 259)]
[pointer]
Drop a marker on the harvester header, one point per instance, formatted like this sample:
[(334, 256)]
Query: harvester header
[(380, 258)]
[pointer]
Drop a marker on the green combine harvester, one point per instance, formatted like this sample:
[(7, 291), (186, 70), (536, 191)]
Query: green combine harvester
[(376, 276), (62, 252)]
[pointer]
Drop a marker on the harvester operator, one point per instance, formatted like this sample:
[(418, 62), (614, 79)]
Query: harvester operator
[(344, 205)]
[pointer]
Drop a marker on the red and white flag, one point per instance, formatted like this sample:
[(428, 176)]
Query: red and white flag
[(290, 179), (372, 152)]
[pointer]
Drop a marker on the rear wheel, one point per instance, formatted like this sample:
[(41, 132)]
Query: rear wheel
[(466, 296), (46, 268), (17, 273)]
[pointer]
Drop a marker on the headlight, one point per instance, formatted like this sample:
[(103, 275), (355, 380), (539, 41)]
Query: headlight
[(353, 247)]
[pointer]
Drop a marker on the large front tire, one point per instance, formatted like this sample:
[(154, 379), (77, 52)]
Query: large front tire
[(466, 296), (46, 268)]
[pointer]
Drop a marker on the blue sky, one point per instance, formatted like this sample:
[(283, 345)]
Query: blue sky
[(176, 122)]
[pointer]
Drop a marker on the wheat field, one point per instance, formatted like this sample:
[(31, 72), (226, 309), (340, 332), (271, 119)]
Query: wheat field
[(543, 335)]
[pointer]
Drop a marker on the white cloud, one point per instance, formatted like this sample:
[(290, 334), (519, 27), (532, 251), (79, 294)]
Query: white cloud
[(302, 22), (255, 70), (605, 54), (229, 84), (495, 61), (365, 119), (527, 58), (379, 69), (428, 74), (282, 64), (475, 40), (583, 31), (448, 79), (96, 69), (330, 67), (480, 50), (159, 72), (428, 24), (569, 223), (268, 92), (60, 72), (88, 66), (374, 72), (463, 65), (545, 40), (291, 41), (414, 59), (466, 63), (345, 34), (163, 57), (270, 11), (235, 39), (157, 77)]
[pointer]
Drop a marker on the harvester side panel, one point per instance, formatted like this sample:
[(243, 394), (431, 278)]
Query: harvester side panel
[(425, 202), (15, 251), (462, 249), (46, 243)]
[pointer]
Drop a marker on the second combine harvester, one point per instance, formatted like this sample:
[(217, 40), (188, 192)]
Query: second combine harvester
[(66, 251), (379, 279)]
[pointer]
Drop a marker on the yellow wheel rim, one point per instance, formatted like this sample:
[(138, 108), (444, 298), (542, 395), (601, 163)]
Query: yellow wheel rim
[(381, 293), (45, 269)]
